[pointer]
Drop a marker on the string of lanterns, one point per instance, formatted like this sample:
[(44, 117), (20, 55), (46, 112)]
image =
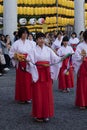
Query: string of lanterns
[(36, 2)]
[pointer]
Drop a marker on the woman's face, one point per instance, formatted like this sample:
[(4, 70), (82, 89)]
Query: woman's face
[(24, 35), (3, 38), (73, 35), (59, 36), (8, 37), (40, 41), (30, 37), (65, 43)]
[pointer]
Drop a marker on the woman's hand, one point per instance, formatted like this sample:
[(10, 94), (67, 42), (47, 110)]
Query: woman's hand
[(83, 53)]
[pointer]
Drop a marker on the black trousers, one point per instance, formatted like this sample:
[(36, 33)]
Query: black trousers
[(7, 59), (1, 68)]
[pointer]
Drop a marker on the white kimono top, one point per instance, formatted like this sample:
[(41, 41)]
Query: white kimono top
[(56, 44), (19, 47), (44, 54), (77, 59), (73, 41), (33, 43), (62, 51)]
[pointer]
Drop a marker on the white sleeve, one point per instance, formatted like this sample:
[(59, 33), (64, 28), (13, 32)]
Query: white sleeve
[(59, 52), (56, 67), (77, 54), (54, 57), (77, 59), (13, 50), (72, 51), (31, 67), (53, 46)]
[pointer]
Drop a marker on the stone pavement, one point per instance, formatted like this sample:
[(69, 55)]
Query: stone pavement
[(15, 116)]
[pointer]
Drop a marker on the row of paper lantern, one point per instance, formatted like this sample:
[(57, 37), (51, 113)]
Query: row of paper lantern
[(66, 3), (64, 21), (41, 30), (66, 12), (1, 9), (61, 21), (33, 2), (49, 29), (85, 15), (44, 10), (86, 22), (36, 10), (40, 25), (32, 21), (85, 5), (49, 20)]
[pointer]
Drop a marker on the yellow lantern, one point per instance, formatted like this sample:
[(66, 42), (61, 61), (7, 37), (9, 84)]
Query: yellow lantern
[(36, 10), (25, 1), (44, 2), (20, 10), (59, 2), (47, 20), (59, 20), (30, 2), (46, 10), (24, 10), (42, 10)]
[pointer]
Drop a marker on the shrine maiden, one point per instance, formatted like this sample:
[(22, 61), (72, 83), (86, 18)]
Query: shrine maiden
[(18, 53), (80, 64), (42, 93), (66, 70)]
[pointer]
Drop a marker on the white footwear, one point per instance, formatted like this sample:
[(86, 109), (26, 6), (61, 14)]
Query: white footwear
[(30, 101), (0, 74), (6, 69), (46, 119), (68, 89)]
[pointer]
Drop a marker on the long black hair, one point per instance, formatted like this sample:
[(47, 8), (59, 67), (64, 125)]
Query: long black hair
[(65, 39), (85, 35), (22, 30)]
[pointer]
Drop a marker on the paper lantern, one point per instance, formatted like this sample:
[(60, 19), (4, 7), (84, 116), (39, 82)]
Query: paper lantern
[(22, 21), (32, 21), (41, 20)]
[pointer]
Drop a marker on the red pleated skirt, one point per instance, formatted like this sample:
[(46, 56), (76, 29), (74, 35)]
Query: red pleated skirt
[(81, 91), (42, 93), (65, 80), (74, 46), (23, 89)]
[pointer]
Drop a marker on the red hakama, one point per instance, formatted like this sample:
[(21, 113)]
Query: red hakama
[(66, 80), (42, 93), (81, 92), (74, 46), (23, 83)]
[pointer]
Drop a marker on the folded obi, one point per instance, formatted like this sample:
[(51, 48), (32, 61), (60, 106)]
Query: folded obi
[(22, 64), (43, 68)]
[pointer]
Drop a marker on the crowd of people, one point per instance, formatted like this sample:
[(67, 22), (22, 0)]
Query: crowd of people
[(42, 58), (5, 44)]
